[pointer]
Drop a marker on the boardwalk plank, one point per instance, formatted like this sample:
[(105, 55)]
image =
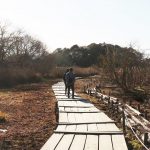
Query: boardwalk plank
[(63, 117), (60, 103), (65, 142), (92, 117), (74, 109), (71, 117), (78, 106), (81, 128), (61, 127), (67, 109), (69, 103), (84, 103), (71, 127), (62, 92), (59, 92), (79, 117), (91, 132), (80, 111), (61, 97), (67, 139), (102, 117), (119, 142), (105, 142), (78, 142), (101, 127), (80, 123), (61, 109), (92, 127), (91, 142), (52, 142), (88, 109), (107, 127), (88, 117)]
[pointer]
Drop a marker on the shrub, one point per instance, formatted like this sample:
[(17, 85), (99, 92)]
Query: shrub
[(13, 76), (80, 72)]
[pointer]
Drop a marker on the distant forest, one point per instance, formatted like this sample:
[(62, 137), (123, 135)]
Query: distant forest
[(90, 55)]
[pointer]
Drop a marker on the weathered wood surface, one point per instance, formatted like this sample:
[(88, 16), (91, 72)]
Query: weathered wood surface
[(82, 126)]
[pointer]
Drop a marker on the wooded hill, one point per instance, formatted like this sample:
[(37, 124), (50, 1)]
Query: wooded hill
[(85, 56)]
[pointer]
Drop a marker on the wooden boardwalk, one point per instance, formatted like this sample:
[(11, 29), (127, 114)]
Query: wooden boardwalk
[(82, 126)]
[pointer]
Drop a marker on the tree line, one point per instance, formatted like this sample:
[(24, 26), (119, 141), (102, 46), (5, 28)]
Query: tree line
[(125, 66), (22, 58), (83, 56)]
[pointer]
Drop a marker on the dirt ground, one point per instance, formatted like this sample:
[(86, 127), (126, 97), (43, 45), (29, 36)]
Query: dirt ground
[(30, 112)]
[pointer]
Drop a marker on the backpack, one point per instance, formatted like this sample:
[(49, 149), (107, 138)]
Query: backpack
[(70, 78)]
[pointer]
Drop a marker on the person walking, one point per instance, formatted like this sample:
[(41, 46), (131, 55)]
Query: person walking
[(64, 78), (70, 80)]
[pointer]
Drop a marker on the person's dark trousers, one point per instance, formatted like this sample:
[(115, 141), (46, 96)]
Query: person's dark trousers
[(72, 88), (66, 88)]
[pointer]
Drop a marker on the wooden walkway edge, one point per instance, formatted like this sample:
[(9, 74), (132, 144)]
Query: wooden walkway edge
[(82, 126)]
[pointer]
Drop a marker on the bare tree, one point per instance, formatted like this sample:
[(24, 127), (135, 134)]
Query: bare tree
[(6, 40), (126, 67), (22, 57)]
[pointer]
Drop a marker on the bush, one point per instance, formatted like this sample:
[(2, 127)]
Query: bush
[(84, 72), (80, 72), (13, 76)]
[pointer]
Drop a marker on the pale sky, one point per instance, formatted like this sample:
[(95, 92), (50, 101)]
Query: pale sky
[(63, 23)]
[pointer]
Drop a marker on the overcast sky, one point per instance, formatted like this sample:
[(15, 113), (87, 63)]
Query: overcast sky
[(63, 23)]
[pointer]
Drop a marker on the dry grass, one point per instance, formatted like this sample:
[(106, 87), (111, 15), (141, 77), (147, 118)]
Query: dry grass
[(13, 76), (31, 116), (84, 72), (80, 72)]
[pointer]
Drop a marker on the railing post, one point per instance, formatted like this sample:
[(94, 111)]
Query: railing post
[(145, 134), (145, 114), (130, 102), (139, 109), (101, 97), (108, 100), (117, 109), (123, 121), (96, 93), (145, 138), (111, 108), (124, 100), (84, 90), (90, 92)]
